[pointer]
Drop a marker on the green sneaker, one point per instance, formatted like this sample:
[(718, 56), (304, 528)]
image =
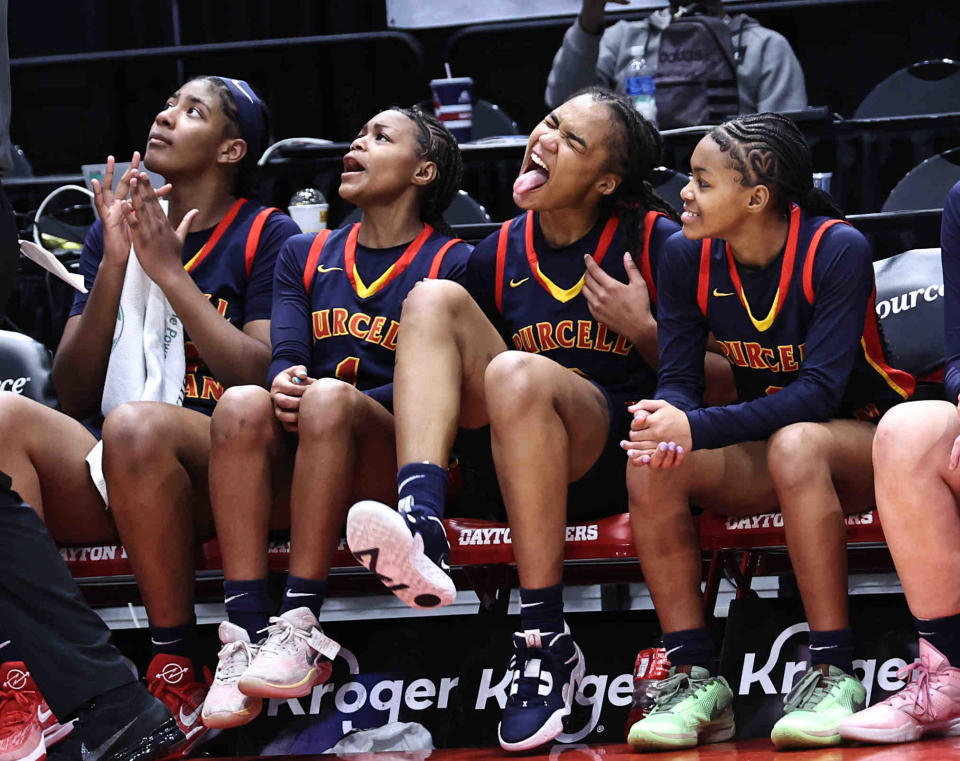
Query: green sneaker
[(690, 707), (814, 708)]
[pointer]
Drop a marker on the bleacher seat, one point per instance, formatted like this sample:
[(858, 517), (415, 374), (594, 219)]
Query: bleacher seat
[(668, 183), (489, 120), (910, 310), (463, 210), (926, 185), (25, 368), (927, 87)]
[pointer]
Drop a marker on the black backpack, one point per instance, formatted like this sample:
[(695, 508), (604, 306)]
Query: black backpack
[(697, 73)]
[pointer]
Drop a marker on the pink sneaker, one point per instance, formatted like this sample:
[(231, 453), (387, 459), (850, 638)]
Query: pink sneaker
[(295, 656), (930, 704), (225, 706)]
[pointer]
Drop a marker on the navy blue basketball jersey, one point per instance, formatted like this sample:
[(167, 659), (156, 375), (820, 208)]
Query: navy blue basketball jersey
[(767, 350), (552, 318), (328, 318), (800, 333), (232, 265)]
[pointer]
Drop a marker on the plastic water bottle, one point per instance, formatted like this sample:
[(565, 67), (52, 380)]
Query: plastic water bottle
[(641, 86), (308, 208)]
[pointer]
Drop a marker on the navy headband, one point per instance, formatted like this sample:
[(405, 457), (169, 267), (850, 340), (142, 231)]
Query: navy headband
[(249, 114)]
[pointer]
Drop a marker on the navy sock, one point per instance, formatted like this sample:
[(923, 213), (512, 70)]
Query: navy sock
[(174, 640), (834, 648), (542, 608), (426, 483), (690, 647), (247, 604), (302, 593), (942, 633)]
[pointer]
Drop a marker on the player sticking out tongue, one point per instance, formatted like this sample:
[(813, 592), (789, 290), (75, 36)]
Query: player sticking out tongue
[(534, 174)]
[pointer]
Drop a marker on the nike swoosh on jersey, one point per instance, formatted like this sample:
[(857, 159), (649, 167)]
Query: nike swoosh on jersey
[(189, 719), (718, 294), (515, 283), (321, 269), (96, 753), (43, 715)]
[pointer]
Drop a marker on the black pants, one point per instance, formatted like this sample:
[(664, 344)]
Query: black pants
[(65, 645)]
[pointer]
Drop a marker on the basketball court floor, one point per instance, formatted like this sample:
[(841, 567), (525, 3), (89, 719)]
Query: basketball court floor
[(746, 750)]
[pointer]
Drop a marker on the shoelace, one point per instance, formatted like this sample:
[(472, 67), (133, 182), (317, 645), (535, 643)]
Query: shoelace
[(528, 687), (668, 692), (230, 666), (918, 690), (282, 636), (813, 687), (16, 706)]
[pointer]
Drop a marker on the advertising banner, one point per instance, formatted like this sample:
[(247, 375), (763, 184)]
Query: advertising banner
[(765, 653), (448, 674)]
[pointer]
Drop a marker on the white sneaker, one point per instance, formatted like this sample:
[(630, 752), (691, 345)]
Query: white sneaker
[(295, 656), (226, 706)]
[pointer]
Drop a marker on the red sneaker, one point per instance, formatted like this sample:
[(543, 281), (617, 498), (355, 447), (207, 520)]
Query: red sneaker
[(649, 668), (173, 680), (21, 737), (14, 676)]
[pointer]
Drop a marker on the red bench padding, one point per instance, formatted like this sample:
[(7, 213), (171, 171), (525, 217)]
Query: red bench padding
[(478, 543)]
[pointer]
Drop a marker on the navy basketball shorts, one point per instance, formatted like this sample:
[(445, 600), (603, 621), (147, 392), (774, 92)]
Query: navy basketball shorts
[(599, 493)]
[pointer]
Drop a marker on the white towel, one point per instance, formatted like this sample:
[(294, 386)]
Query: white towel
[(147, 360)]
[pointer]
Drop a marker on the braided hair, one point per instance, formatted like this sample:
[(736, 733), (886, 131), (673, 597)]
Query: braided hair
[(633, 156), (437, 144), (247, 179), (769, 149)]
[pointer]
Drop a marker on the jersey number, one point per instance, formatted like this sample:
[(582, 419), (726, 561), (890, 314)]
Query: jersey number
[(347, 370)]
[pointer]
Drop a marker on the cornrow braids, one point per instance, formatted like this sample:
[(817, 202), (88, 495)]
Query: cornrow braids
[(246, 182), (633, 156), (437, 144), (769, 149)]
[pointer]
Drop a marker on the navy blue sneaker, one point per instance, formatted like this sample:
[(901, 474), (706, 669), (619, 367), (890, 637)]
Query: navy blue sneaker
[(547, 667), (406, 549)]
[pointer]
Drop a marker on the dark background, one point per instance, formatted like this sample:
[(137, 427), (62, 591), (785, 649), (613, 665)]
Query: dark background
[(73, 113)]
